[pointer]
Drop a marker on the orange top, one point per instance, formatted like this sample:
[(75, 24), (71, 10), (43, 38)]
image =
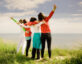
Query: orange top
[(45, 27), (28, 31)]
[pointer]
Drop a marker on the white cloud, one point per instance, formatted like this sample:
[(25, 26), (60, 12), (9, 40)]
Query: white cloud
[(8, 26), (66, 25), (57, 25), (77, 14), (13, 14), (23, 4), (80, 10)]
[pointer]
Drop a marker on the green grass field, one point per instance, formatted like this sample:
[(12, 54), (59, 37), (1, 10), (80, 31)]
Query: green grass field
[(8, 55)]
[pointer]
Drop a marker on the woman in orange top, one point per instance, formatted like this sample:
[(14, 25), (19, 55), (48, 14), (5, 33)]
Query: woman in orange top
[(27, 36), (45, 32)]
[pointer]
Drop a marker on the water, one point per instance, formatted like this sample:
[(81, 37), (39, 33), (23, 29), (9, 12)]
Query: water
[(69, 41)]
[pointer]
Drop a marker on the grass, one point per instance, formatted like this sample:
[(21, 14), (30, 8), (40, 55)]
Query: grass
[(8, 55)]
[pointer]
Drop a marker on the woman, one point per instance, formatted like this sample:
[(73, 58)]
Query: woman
[(22, 41), (45, 32), (27, 36)]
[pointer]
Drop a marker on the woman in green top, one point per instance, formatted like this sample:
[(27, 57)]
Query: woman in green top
[(22, 41)]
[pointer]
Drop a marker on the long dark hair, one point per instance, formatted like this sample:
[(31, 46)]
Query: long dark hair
[(24, 21), (32, 19), (41, 16)]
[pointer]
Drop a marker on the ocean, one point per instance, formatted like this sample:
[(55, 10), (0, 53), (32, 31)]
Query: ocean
[(66, 41)]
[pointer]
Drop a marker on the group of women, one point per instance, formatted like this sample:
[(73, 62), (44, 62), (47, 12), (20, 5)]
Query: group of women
[(40, 31)]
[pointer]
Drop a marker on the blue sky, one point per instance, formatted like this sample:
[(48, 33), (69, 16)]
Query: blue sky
[(66, 19)]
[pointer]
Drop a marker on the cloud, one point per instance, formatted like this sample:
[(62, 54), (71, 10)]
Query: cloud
[(68, 20), (77, 14), (57, 25), (80, 10), (13, 14), (9, 27), (66, 25), (1, 3), (23, 4)]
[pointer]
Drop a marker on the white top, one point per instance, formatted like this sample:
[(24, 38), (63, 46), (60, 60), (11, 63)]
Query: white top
[(36, 28)]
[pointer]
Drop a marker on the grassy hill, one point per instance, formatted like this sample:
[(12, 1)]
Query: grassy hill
[(8, 55)]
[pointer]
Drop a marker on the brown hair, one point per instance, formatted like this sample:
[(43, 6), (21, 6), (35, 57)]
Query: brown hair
[(20, 20), (24, 21)]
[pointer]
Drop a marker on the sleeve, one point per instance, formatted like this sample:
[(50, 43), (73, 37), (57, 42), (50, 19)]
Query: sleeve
[(39, 24), (23, 29), (19, 24), (32, 23), (14, 20), (50, 15)]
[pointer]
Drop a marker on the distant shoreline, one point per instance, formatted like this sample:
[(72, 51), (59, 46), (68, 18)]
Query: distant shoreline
[(51, 33), (58, 40)]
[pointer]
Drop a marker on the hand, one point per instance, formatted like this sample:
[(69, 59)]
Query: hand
[(54, 7), (18, 22), (11, 17)]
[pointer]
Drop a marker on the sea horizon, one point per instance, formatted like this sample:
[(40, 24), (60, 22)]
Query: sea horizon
[(59, 40)]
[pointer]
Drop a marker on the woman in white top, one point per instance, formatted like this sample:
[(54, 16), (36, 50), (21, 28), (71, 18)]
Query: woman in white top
[(35, 28)]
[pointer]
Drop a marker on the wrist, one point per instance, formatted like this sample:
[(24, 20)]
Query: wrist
[(53, 10)]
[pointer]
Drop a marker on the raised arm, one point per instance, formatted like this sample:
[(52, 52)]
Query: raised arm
[(13, 19), (17, 23), (51, 13)]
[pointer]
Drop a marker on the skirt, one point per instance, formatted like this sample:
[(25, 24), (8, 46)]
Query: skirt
[(37, 41)]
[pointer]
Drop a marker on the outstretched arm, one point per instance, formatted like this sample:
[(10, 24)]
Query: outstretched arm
[(17, 23), (40, 23), (22, 25), (13, 19), (51, 13)]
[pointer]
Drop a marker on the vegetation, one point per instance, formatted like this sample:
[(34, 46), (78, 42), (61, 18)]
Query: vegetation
[(8, 55)]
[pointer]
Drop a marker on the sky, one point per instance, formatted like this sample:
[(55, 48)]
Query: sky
[(66, 19)]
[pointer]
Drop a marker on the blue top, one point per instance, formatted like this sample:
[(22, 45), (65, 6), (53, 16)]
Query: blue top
[(27, 38)]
